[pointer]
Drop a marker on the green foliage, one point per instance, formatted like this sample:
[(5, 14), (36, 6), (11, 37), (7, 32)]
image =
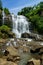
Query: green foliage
[(40, 25), (5, 32), (6, 11), (4, 28), (25, 10), (1, 5), (35, 16)]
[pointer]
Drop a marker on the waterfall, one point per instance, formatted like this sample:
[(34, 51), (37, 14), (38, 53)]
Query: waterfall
[(20, 25), (3, 16)]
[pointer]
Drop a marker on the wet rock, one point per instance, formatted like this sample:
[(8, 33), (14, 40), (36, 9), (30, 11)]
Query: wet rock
[(13, 54), (34, 61), (12, 51), (3, 40), (6, 53), (30, 63), (32, 36), (41, 51), (3, 44), (11, 35), (13, 58), (10, 63), (41, 60), (38, 49), (25, 35), (28, 35), (25, 49), (4, 62), (35, 51)]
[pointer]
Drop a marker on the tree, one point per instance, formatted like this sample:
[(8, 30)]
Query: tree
[(6, 11), (4, 28), (25, 10), (0, 5), (35, 16)]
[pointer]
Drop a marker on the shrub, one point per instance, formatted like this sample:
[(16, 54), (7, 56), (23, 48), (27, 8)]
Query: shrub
[(5, 32), (4, 28)]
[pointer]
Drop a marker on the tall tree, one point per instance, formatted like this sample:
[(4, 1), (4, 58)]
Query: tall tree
[(6, 11), (25, 10)]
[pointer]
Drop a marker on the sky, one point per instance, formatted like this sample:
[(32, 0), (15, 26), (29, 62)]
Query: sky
[(15, 6)]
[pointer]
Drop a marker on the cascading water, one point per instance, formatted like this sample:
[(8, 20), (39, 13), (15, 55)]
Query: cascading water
[(3, 16), (20, 25)]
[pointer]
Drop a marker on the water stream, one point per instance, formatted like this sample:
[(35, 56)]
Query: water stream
[(24, 58)]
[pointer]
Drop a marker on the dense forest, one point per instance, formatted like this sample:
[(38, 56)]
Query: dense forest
[(35, 16)]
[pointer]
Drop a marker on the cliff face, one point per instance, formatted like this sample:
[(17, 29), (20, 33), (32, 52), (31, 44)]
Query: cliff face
[(5, 19), (8, 21)]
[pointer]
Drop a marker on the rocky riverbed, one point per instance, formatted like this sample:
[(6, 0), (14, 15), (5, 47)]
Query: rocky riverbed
[(21, 52)]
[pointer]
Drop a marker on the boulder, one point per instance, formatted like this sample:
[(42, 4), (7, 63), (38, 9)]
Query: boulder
[(11, 35), (37, 49), (25, 49), (13, 54), (25, 35), (6, 53), (30, 63), (32, 36), (4, 62), (13, 58), (33, 62), (12, 51), (3, 40)]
